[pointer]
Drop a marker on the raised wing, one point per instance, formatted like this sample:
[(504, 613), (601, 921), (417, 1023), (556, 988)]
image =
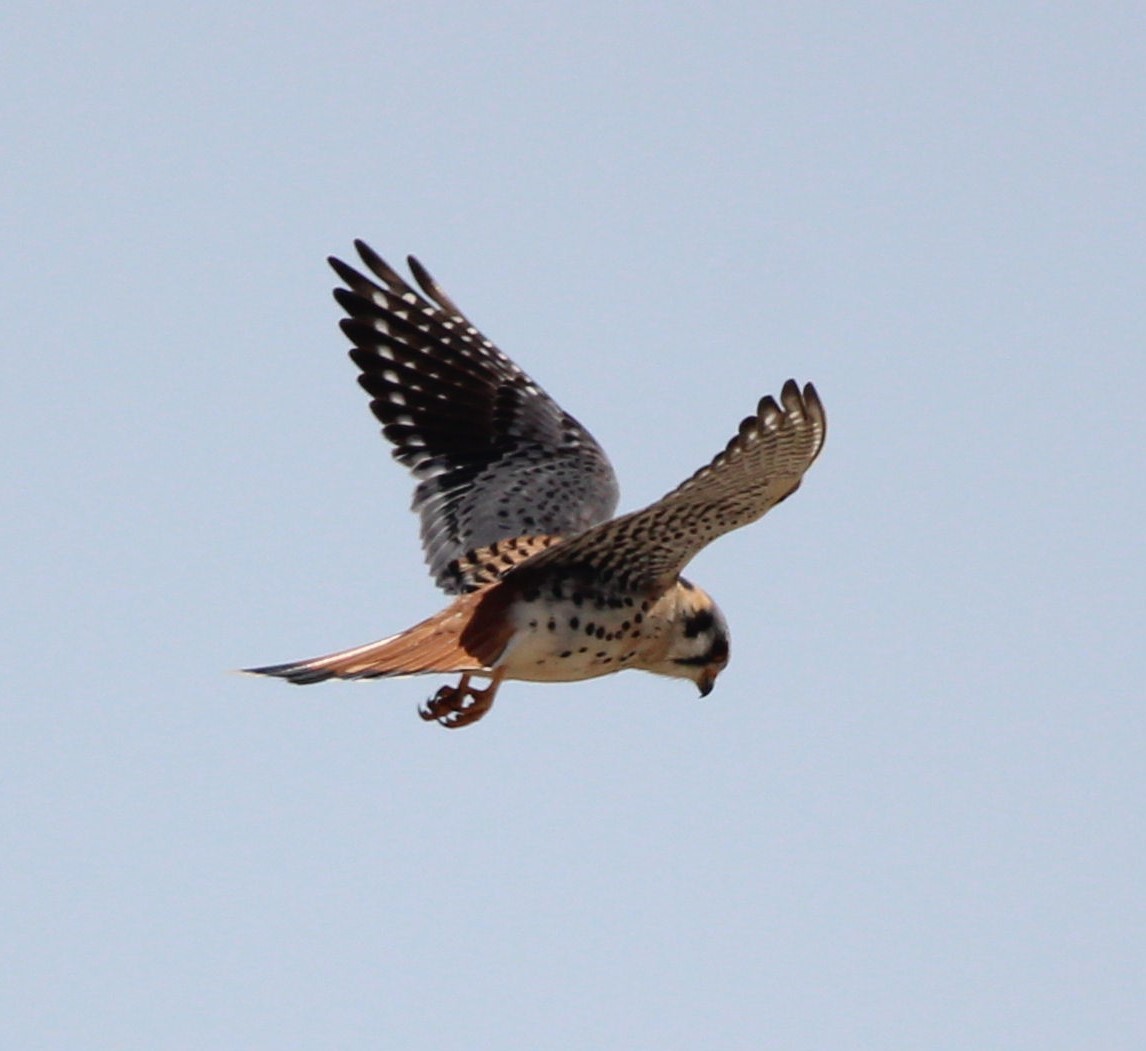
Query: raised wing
[(494, 456), (647, 549)]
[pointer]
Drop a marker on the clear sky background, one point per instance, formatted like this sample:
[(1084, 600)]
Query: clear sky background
[(911, 814)]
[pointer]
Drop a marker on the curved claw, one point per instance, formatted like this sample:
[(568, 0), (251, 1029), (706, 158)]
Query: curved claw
[(457, 706), (447, 701)]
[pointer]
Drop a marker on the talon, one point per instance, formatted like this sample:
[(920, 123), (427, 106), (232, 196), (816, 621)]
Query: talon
[(470, 714), (445, 701), (457, 706)]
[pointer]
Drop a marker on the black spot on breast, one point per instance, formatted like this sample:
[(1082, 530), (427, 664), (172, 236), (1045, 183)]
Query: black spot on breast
[(574, 623)]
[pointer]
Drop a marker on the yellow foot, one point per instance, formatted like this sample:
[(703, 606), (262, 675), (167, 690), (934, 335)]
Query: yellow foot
[(455, 706)]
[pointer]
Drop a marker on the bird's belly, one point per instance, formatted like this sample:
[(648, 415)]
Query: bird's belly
[(571, 647)]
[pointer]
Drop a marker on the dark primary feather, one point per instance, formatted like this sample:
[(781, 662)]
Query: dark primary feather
[(494, 456), (762, 465)]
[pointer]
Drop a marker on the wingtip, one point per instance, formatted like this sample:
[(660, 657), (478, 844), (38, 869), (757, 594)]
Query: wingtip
[(371, 258), (815, 409), (431, 287), (344, 270), (380, 268), (794, 399), (423, 276), (794, 404)]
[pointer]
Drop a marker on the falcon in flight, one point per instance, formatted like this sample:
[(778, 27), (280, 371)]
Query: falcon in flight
[(516, 502)]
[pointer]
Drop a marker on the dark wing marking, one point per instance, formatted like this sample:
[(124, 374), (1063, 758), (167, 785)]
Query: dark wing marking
[(485, 565), (647, 549), (494, 456)]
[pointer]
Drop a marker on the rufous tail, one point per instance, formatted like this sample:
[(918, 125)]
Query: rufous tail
[(434, 645)]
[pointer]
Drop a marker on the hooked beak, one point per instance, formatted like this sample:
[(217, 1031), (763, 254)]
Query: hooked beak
[(707, 680)]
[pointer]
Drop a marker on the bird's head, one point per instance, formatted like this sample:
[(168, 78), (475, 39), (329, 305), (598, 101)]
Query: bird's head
[(698, 643)]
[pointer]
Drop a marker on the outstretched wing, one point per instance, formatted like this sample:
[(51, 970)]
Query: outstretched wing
[(494, 456), (647, 549)]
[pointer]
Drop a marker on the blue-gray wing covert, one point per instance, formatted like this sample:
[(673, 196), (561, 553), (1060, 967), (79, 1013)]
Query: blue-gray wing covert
[(494, 456)]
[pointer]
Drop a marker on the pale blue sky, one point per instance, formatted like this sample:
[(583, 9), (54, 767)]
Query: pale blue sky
[(911, 814)]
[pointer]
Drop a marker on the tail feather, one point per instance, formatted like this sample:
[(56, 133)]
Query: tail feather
[(434, 645)]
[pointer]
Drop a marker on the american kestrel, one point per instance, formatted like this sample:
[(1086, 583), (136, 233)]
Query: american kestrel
[(516, 501)]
